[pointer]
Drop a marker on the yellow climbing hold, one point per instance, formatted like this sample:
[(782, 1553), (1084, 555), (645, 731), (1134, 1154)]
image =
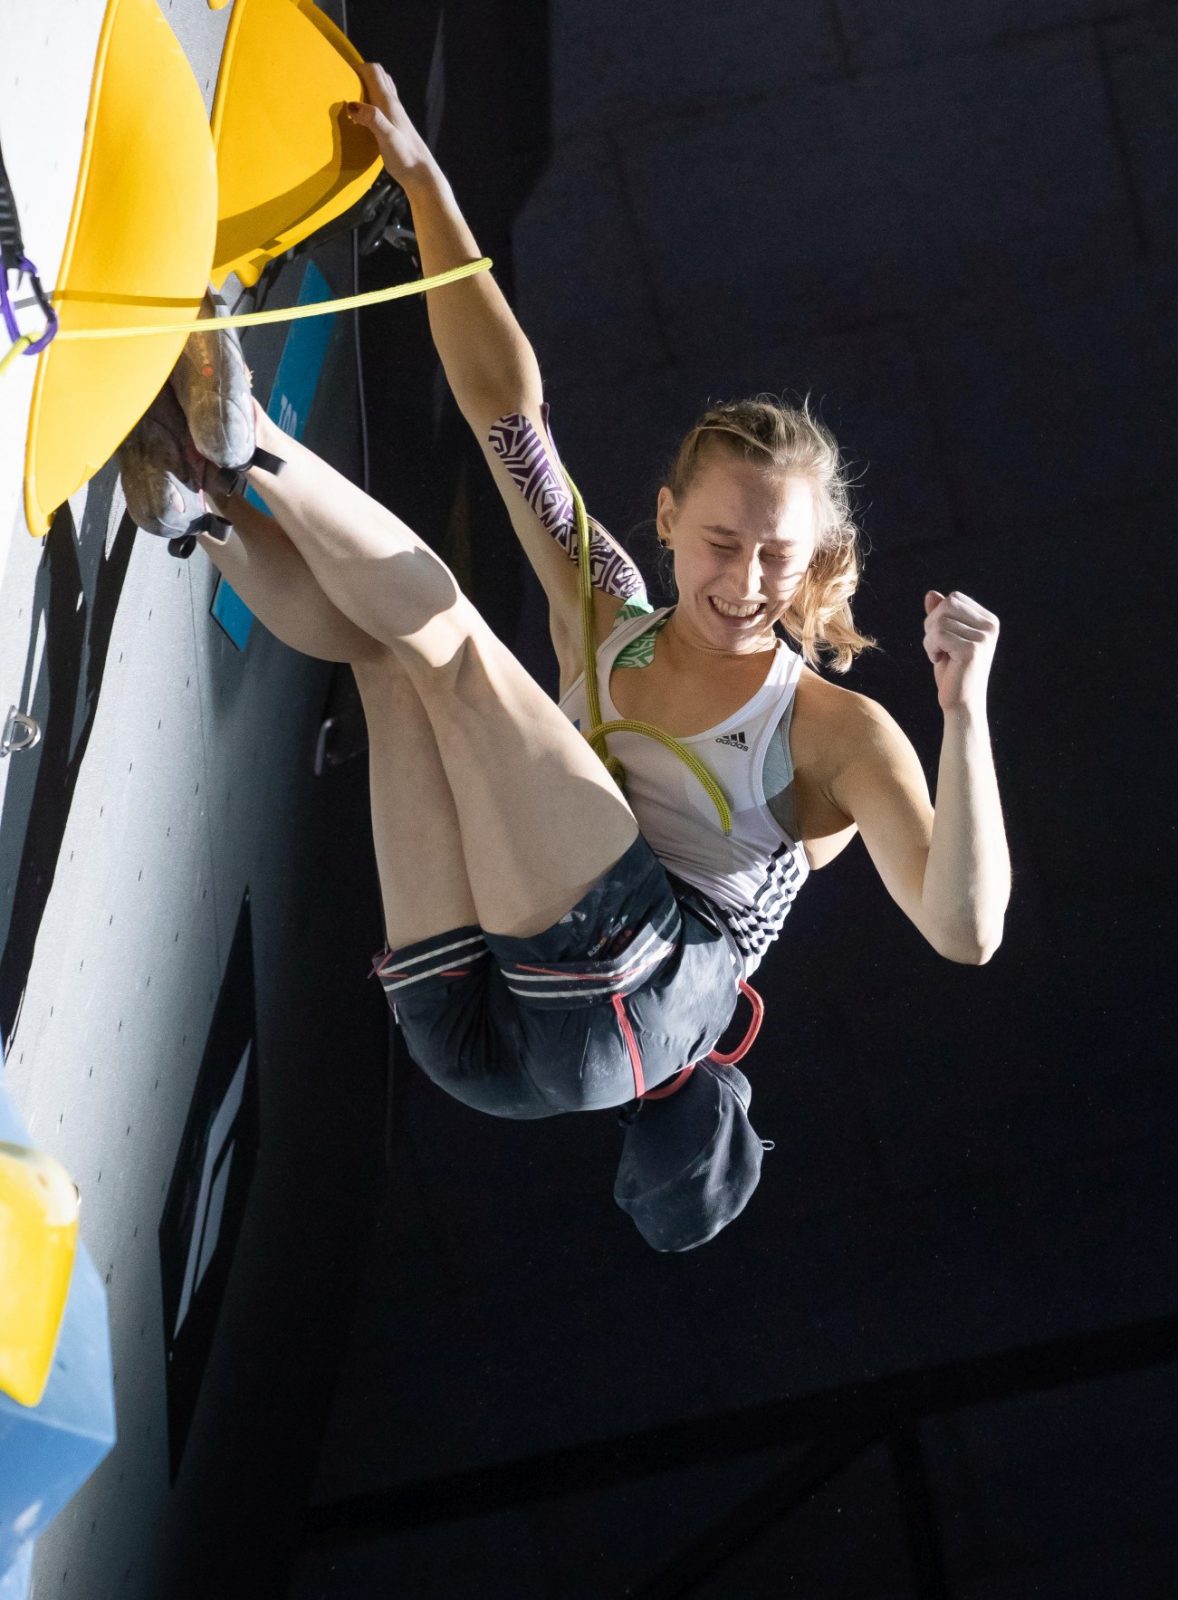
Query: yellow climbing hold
[(38, 1243), (139, 244), (289, 159)]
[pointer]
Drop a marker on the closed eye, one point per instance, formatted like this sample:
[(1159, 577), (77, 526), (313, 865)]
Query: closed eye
[(728, 550)]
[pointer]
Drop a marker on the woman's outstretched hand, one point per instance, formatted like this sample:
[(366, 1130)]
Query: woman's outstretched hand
[(959, 640), (405, 153)]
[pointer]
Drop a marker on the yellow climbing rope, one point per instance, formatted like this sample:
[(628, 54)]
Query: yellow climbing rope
[(316, 308), (17, 348), (597, 730), (253, 319), (596, 734)]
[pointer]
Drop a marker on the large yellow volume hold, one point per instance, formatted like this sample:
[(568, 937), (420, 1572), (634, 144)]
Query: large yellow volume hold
[(38, 1243), (289, 159), (138, 250)]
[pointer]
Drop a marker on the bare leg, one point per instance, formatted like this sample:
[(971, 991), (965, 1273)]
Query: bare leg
[(280, 589), (415, 833), (418, 845), (540, 818)]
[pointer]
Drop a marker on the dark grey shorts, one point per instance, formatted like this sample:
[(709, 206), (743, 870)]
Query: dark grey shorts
[(633, 984)]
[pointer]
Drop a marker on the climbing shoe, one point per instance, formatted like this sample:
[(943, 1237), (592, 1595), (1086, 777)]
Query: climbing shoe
[(212, 383), (163, 477)]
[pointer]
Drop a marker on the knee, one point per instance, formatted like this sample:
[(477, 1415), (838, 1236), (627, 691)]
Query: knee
[(453, 657), (381, 669), (421, 599), (364, 653)]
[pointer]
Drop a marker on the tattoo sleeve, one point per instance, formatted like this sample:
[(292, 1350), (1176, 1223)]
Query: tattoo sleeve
[(521, 450)]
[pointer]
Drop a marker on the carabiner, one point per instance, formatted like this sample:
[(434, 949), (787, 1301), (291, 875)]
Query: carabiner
[(25, 268)]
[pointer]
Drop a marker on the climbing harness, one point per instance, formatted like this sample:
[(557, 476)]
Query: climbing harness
[(596, 736), (641, 1092)]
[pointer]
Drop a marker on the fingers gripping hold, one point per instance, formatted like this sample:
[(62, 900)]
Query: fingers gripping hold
[(402, 148)]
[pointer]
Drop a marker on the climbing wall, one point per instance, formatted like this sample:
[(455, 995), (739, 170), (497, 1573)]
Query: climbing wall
[(186, 912)]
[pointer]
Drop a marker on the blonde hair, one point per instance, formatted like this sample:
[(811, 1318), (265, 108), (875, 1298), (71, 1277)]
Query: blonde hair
[(789, 439)]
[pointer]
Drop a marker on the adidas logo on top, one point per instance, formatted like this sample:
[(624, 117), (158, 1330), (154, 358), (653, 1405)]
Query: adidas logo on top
[(737, 740)]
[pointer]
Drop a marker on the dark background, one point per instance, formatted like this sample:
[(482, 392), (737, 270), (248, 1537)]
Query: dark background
[(937, 1355)]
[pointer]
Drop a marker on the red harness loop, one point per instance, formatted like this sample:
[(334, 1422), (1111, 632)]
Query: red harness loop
[(631, 1044), (676, 1082), (746, 1044), (742, 1049)]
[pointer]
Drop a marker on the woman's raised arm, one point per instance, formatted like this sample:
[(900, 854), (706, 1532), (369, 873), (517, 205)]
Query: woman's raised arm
[(949, 871), (495, 378), (487, 360)]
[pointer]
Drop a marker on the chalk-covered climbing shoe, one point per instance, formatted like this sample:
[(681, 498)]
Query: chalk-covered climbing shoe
[(212, 383), (163, 477)]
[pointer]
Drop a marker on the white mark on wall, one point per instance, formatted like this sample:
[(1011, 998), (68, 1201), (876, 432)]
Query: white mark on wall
[(210, 1202), (38, 649)]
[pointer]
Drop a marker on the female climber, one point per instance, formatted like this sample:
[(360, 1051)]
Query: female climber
[(552, 942)]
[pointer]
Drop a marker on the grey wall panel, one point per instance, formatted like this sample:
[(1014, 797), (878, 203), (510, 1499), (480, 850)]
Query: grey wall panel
[(1140, 53), (578, 228), (897, 31), (838, 204), (618, 65)]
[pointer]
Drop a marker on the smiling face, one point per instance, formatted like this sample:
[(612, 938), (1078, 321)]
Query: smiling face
[(742, 538)]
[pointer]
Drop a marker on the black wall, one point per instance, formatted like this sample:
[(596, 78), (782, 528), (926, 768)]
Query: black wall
[(936, 1354)]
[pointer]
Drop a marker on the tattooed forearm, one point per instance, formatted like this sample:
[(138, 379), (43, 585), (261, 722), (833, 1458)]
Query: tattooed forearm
[(520, 448)]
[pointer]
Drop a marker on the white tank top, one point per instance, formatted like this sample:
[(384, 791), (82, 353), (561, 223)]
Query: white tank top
[(750, 875)]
